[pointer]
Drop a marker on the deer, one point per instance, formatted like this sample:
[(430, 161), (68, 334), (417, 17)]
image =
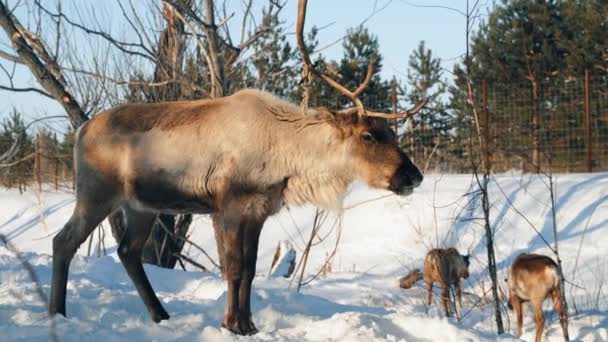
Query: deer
[(239, 158), (448, 267), (534, 278)]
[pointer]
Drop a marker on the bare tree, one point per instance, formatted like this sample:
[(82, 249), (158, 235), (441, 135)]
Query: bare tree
[(168, 235), (32, 53), (220, 54), (481, 146), (95, 79)]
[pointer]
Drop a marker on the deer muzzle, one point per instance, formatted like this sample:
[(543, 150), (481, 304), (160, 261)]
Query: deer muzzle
[(406, 178)]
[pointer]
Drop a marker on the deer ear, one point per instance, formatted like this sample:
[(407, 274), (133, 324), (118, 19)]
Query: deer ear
[(326, 115)]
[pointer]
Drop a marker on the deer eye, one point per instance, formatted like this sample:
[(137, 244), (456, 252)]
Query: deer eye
[(368, 138)]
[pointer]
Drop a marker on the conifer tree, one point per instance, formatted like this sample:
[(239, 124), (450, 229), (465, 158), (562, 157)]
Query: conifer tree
[(20, 169), (273, 59), (432, 124), (360, 49)]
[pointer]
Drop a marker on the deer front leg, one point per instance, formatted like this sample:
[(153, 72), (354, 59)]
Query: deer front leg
[(232, 241), (219, 243), (250, 254)]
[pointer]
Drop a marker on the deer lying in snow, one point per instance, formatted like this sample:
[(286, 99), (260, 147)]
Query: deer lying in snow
[(447, 267), (533, 278)]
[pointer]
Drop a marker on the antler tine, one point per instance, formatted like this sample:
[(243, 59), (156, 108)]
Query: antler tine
[(409, 113), (406, 115), (310, 69), (299, 35)]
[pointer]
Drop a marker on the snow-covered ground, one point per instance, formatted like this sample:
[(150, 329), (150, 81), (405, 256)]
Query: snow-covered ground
[(357, 298)]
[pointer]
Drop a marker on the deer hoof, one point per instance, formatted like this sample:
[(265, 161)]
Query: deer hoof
[(240, 326), (159, 316), (252, 329)]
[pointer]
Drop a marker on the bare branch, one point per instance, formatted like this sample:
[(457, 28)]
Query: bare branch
[(122, 46), (10, 57), (309, 70), (244, 24), (44, 76), (22, 90), (200, 44), (117, 81), (436, 6)]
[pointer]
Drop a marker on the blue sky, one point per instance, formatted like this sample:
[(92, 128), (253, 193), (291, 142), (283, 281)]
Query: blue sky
[(398, 24)]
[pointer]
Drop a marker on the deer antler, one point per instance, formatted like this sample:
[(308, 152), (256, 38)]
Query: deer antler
[(405, 115), (309, 69)]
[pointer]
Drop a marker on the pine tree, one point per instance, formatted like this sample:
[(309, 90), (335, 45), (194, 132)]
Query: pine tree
[(532, 56), (273, 60), (49, 150), (585, 36), (14, 128), (66, 153), (432, 124), (462, 122), (360, 49)]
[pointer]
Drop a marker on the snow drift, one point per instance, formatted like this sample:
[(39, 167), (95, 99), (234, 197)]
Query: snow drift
[(355, 298)]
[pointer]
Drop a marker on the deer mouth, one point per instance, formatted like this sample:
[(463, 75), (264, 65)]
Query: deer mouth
[(405, 180), (403, 190)]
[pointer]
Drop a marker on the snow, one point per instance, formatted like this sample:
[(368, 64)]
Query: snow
[(285, 261), (356, 298)]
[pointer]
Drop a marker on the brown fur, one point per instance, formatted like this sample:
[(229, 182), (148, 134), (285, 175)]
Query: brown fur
[(238, 158), (164, 115), (410, 279), (447, 267), (534, 278)]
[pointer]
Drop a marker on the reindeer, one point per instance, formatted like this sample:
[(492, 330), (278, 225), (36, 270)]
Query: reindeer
[(447, 267), (533, 278), (239, 158)]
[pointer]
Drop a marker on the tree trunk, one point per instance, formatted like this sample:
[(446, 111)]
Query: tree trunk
[(535, 127), (491, 255), (219, 86), (168, 235)]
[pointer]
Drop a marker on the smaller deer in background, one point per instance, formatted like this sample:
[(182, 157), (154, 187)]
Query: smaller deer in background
[(447, 267), (533, 278)]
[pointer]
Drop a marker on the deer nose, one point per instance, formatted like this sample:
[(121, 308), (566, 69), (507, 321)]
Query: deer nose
[(406, 178), (416, 177)]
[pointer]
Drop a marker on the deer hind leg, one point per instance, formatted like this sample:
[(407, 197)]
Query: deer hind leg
[(251, 238), (429, 291), (445, 297), (459, 293), (539, 318), (94, 201), (563, 315), (517, 306), (138, 227)]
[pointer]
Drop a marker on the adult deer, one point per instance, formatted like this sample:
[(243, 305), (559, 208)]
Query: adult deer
[(447, 267), (239, 158), (533, 278)]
